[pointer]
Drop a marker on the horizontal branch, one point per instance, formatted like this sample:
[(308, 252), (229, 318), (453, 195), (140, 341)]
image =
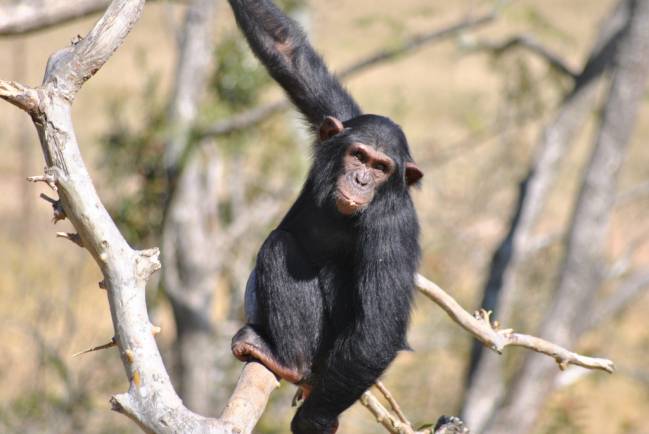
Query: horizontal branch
[(29, 16), (256, 115), (417, 41), (528, 43), (480, 326), (562, 356)]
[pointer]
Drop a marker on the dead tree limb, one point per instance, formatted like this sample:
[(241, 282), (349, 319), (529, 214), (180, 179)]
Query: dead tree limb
[(481, 327), (29, 16), (528, 43), (151, 400), (257, 115)]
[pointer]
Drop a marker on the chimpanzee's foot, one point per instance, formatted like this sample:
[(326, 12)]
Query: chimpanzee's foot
[(247, 345), (301, 394)]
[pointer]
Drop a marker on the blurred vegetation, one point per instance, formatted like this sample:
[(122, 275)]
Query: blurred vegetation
[(133, 154), (472, 120)]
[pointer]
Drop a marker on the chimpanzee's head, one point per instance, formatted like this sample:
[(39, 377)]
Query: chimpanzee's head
[(357, 160)]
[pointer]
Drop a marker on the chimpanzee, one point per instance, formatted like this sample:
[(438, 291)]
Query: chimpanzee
[(329, 300)]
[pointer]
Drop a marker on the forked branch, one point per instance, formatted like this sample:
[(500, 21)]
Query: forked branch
[(481, 327)]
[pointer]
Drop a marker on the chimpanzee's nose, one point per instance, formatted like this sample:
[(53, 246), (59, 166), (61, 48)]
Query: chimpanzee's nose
[(362, 178)]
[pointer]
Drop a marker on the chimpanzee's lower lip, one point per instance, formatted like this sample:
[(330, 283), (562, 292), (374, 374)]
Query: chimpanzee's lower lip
[(347, 206), (342, 196)]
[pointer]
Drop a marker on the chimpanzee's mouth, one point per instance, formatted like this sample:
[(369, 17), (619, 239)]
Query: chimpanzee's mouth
[(346, 205)]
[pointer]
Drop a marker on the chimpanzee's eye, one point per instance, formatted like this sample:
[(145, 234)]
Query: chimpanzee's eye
[(382, 167), (358, 155)]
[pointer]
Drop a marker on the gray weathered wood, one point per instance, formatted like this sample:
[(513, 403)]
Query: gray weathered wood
[(29, 16)]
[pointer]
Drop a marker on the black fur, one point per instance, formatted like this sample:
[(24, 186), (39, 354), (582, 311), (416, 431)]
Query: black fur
[(333, 293)]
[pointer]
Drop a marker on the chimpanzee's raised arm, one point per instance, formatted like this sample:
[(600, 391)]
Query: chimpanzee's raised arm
[(283, 48)]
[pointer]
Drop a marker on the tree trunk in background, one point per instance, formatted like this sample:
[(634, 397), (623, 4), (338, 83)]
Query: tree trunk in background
[(582, 269), (485, 378), (191, 220)]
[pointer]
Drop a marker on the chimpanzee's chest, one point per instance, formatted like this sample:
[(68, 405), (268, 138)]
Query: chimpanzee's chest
[(338, 286)]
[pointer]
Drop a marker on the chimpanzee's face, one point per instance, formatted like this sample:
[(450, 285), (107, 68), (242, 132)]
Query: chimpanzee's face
[(365, 153), (365, 169)]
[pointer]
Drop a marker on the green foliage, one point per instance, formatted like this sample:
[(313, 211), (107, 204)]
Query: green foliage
[(238, 77)]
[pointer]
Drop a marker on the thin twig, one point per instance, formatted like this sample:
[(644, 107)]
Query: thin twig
[(110, 344), (50, 180), (383, 416), (74, 237), (393, 402), (529, 43)]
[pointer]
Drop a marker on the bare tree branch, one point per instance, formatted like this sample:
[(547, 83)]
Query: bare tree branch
[(480, 326), (151, 400), (415, 42), (393, 403), (29, 16), (391, 423), (529, 43), (23, 97), (258, 114)]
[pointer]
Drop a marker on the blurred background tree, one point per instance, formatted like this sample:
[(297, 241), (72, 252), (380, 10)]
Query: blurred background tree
[(503, 119)]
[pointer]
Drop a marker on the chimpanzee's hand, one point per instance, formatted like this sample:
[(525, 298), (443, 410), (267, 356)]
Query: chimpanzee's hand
[(312, 424)]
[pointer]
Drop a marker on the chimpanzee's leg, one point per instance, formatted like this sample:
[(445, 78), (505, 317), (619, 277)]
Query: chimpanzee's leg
[(285, 310), (248, 345)]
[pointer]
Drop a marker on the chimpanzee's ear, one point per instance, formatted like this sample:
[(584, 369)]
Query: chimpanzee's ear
[(413, 174), (330, 127)]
